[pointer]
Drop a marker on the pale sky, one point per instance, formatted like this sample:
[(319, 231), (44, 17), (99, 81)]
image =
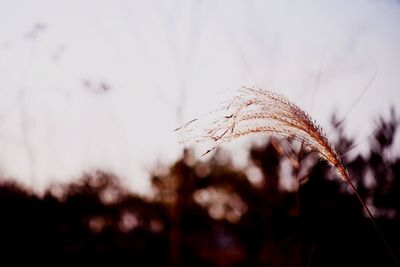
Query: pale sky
[(88, 85)]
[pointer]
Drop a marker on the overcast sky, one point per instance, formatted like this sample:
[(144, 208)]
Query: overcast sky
[(88, 85)]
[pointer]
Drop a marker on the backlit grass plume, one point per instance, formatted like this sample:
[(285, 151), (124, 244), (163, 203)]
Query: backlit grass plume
[(257, 111)]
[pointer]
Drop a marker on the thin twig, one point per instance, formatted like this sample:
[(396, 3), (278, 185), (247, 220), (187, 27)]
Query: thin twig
[(257, 111)]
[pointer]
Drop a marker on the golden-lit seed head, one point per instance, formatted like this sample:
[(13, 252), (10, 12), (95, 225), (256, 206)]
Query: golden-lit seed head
[(258, 111)]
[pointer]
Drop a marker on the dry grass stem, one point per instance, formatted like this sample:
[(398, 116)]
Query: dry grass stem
[(256, 111)]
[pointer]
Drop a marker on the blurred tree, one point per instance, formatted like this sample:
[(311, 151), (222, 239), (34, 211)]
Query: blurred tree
[(286, 208)]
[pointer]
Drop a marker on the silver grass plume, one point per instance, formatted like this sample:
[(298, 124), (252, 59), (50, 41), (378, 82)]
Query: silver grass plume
[(257, 111)]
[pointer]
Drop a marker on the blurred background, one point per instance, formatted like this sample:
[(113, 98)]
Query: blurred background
[(92, 171)]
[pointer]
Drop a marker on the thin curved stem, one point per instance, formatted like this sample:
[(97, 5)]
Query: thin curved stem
[(372, 219)]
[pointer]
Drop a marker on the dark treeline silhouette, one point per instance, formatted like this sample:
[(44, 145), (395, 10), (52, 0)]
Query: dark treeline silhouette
[(286, 208)]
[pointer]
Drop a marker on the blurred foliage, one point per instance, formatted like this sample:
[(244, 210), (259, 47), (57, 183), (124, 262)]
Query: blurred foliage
[(286, 208)]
